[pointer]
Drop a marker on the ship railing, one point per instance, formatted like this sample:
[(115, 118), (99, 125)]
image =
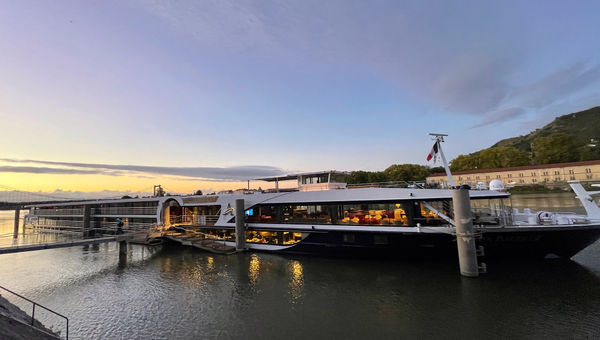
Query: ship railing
[(124, 211), (56, 212), (391, 184), (35, 305)]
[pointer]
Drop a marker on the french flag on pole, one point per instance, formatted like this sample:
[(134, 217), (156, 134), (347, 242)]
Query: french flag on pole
[(433, 153)]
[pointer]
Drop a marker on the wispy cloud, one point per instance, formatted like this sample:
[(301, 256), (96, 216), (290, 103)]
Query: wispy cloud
[(558, 85), (236, 173), (47, 170), (501, 116)]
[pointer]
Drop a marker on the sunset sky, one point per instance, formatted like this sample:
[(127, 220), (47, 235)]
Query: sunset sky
[(121, 95)]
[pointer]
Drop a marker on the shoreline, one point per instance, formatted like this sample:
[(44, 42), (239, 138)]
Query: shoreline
[(16, 324)]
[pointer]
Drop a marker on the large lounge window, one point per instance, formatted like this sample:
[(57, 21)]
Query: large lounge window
[(374, 214), (425, 215), (396, 214)]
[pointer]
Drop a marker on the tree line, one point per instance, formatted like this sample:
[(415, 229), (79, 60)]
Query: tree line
[(394, 173), (554, 148)]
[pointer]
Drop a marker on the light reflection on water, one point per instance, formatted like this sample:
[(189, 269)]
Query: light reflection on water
[(180, 293)]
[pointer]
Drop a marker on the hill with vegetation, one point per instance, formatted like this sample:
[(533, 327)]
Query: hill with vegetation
[(569, 138)]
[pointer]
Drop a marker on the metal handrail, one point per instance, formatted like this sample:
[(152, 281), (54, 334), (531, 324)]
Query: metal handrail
[(38, 305), (390, 184)]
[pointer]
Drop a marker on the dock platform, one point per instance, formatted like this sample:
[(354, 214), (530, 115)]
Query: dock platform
[(201, 242)]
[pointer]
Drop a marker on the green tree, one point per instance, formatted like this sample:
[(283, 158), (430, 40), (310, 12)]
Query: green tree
[(361, 177), (406, 172), (503, 157), (358, 177), (556, 148), (465, 162), (436, 170)]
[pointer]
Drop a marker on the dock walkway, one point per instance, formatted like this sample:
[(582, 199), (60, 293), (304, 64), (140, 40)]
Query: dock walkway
[(65, 244), (201, 242)]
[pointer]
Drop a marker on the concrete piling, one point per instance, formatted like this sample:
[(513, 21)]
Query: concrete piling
[(465, 239), (122, 253), (240, 225), (17, 220), (87, 213)]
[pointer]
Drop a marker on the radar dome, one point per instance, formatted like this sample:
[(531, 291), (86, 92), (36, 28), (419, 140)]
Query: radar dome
[(496, 185)]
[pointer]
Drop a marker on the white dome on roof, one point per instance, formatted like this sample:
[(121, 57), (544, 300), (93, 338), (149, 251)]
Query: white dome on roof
[(496, 185)]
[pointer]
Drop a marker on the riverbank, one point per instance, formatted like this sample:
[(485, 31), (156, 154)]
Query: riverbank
[(15, 324)]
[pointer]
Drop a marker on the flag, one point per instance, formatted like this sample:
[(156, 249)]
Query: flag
[(433, 153)]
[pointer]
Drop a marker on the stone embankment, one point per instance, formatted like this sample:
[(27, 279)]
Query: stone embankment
[(15, 324)]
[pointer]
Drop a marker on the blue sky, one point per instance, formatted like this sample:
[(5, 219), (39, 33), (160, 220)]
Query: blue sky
[(295, 85)]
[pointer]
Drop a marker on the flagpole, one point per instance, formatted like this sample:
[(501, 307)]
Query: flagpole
[(438, 139)]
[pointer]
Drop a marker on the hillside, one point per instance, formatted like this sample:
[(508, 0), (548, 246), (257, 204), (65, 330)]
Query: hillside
[(569, 138), (584, 125)]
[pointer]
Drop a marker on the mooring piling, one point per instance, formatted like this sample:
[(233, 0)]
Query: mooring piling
[(17, 219), (465, 238), (240, 225)]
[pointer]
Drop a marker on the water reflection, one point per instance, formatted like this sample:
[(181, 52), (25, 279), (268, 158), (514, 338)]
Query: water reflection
[(254, 269), (210, 263), (296, 279)]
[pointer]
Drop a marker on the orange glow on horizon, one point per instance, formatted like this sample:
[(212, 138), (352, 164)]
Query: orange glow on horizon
[(94, 182)]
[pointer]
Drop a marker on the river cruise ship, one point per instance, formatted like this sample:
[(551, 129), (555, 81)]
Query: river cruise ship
[(325, 216)]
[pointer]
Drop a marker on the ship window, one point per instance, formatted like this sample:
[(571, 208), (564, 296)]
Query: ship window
[(427, 216), (262, 214), (490, 210), (374, 214)]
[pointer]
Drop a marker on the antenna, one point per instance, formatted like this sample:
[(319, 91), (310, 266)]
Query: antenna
[(439, 138)]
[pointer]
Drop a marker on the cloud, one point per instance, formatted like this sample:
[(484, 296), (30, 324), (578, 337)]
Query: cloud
[(45, 170), (472, 85), (501, 116), (558, 85), (58, 194), (236, 173)]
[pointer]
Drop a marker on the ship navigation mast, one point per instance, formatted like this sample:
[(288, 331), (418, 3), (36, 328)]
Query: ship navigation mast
[(439, 138)]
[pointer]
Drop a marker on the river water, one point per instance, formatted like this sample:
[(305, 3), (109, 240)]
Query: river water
[(179, 293)]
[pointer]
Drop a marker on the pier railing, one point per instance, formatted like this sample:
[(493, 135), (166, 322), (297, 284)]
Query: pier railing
[(37, 305)]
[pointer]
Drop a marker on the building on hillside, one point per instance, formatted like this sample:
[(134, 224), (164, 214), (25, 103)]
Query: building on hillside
[(550, 174)]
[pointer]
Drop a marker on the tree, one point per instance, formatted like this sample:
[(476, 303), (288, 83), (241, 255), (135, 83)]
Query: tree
[(503, 157), (465, 162), (436, 170), (198, 193), (406, 172), (357, 177), (555, 148)]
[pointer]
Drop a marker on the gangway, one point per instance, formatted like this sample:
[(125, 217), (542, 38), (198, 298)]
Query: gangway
[(64, 244)]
